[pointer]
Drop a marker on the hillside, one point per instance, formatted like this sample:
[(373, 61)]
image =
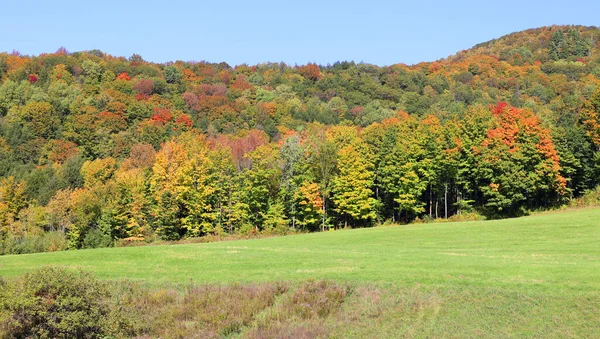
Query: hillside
[(532, 45), (535, 276), (551, 252), (97, 149)]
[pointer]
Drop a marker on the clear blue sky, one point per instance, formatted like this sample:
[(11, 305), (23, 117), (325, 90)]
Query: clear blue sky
[(372, 31)]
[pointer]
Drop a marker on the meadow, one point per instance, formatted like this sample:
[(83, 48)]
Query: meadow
[(536, 276)]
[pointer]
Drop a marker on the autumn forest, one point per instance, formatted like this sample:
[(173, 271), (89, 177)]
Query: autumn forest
[(97, 150)]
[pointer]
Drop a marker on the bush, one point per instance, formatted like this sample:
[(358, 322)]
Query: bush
[(591, 198), (465, 216), (45, 242), (55, 303), (95, 238)]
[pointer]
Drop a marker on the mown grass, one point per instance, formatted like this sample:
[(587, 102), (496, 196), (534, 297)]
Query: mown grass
[(536, 276), (552, 251)]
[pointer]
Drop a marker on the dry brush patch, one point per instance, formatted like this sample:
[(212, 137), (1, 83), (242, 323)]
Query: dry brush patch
[(205, 311), (303, 312), (309, 309)]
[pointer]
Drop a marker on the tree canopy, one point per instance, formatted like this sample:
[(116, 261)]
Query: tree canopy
[(102, 148)]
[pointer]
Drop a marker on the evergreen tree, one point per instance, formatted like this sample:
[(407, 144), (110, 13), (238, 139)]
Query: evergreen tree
[(557, 41)]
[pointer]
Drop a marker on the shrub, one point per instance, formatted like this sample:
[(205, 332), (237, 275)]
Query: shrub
[(45, 242), (589, 199), (95, 238), (55, 303)]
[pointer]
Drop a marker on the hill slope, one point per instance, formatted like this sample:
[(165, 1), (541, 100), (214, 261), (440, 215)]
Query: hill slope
[(556, 252), (535, 42), (535, 276)]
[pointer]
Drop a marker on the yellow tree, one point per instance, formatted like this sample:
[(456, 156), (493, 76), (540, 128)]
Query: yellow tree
[(181, 190), (590, 116), (168, 167), (353, 196), (194, 188), (310, 204), (98, 171), (57, 211), (132, 202), (12, 201)]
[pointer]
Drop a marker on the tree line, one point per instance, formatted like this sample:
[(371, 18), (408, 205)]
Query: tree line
[(98, 148)]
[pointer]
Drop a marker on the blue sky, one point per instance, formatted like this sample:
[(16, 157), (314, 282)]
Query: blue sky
[(378, 32)]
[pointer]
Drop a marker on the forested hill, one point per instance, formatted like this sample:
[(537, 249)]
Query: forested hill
[(539, 44), (95, 148)]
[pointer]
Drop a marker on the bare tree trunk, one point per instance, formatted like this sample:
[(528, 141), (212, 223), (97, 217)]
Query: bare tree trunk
[(377, 186), (220, 213), (229, 225), (430, 201), (458, 201), (446, 201), (324, 214)]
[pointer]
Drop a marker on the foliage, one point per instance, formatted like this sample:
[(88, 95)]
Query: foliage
[(352, 187), (52, 303), (103, 148)]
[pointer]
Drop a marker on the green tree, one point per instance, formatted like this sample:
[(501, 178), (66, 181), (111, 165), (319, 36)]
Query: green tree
[(40, 118), (291, 169), (260, 183), (557, 41), (223, 176), (399, 169), (322, 161)]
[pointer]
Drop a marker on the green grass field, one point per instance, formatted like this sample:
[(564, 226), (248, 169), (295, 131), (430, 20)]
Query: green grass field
[(535, 276)]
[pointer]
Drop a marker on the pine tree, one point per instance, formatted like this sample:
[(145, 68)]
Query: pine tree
[(557, 41)]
